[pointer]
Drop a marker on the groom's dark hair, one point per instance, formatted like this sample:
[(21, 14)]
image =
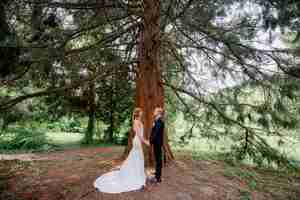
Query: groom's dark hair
[(160, 111)]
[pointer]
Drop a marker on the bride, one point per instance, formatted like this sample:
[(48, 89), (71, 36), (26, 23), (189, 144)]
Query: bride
[(131, 175)]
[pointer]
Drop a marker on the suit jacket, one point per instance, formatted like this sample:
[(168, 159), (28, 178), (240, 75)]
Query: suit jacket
[(157, 133)]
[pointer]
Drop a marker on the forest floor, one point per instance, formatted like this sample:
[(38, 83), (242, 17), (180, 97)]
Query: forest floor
[(69, 174)]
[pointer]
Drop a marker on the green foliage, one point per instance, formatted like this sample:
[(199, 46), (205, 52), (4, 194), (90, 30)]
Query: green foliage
[(260, 152), (66, 124), (283, 14), (24, 139), (103, 46), (250, 116), (115, 94)]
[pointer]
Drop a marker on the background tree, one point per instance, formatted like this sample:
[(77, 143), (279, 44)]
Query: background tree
[(145, 34)]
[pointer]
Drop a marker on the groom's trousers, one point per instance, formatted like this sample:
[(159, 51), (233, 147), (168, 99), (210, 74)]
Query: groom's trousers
[(158, 161)]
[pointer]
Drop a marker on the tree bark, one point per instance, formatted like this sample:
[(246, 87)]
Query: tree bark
[(109, 136), (92, 114), (149, 87)]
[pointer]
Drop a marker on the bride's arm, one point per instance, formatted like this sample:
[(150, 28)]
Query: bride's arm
[(136, 129)]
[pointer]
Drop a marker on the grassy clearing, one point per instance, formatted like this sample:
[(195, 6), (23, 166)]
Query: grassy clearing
[(211, 149), (216, 150), (288, 144), (67, 140), (51, 141), (63, 139), (291, 146)]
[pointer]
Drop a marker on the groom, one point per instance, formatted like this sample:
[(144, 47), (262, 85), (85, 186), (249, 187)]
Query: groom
[(156, 140)]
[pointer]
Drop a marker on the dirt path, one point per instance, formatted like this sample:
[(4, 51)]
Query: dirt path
[(70, 174)]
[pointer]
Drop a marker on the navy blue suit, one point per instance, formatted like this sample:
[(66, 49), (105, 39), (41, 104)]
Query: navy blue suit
[(156, 139)]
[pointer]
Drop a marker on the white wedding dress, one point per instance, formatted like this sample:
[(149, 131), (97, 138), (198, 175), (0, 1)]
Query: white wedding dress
[(131, 175)]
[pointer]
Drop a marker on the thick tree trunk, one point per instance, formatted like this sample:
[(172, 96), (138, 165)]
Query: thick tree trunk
[(111, 128), (150, 91), (92, 112), (109, 135)]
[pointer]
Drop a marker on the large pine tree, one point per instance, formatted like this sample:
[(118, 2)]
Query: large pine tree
[(144, 33)]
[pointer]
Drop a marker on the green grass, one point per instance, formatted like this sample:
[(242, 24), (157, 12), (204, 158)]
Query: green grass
[(205, 149), (55, 141), (208, 148), (291, 147), (66, 140)]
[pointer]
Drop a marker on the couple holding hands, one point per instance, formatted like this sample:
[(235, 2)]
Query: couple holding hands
[(131, 175)]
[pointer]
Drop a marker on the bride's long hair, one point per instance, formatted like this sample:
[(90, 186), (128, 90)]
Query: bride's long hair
[(136, 113)]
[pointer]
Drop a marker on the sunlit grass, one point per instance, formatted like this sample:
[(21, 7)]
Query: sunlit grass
[(288, 144), (65, 139)]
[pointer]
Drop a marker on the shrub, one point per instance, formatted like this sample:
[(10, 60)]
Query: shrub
[(24, 139), (66, 125)]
